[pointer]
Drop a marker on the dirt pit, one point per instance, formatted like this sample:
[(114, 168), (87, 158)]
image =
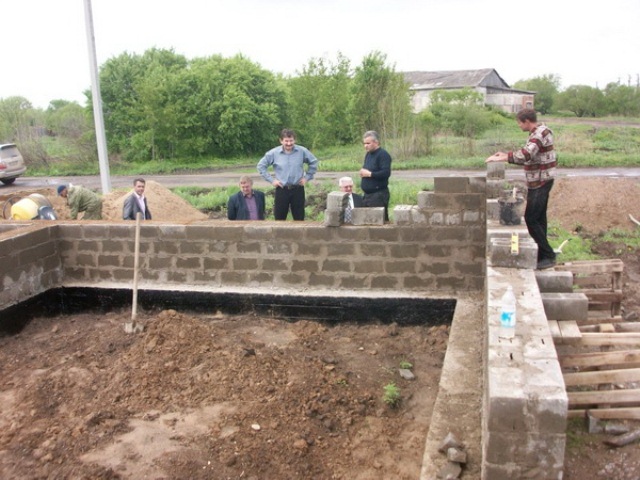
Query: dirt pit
[(214, 397)]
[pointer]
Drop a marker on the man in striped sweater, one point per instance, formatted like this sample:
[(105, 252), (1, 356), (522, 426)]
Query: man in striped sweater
[(538, 157)]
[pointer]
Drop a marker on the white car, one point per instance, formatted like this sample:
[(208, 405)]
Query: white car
[(11, 163)]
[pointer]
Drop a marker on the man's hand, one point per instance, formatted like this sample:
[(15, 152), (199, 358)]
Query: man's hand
[(365, 173), (277, 183), (302, 181), (497, 157)]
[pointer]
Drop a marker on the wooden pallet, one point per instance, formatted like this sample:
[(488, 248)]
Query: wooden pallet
[(601, 282), (602, 372)]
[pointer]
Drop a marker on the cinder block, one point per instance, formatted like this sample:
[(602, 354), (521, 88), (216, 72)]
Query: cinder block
[(500, 254), (552, 281), (451, 184), (402, 214), (426, 199), (565, 306), (493, 209), (337, 200), (333, 217), (368, 216), (495, 170)]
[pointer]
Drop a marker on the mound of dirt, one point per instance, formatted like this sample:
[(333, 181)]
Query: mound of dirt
[(594, 204), (165, 205)]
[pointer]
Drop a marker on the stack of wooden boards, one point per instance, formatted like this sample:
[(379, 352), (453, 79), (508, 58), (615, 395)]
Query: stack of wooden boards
[(600, 356)]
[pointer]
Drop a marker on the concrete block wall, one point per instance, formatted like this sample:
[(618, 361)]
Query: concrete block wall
[(29, 261), (525, 406), (285, 255), (437, 256)]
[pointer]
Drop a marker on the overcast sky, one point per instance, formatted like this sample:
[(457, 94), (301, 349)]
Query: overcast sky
[(44, 54)]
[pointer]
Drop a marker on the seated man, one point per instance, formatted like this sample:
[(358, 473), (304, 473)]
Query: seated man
[(247, 204), (355, 200)]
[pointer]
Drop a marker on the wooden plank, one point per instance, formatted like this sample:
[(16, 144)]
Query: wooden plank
[(570, 332), (602, 295), (602, 376), (612, 397), (554, 329), (623, 413), (607, 328), (629, 327), (592, 266), (596, 318), (610, 339), (599, 359), (594, 281)]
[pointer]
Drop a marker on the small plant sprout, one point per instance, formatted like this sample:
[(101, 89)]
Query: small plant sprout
[(406, 365), (391, 395)]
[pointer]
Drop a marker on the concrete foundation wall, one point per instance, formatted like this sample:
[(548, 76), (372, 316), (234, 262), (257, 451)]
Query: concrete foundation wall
[(29, 262), (444, 257)]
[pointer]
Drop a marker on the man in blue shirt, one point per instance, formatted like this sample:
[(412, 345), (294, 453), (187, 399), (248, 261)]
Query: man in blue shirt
[(247, 204), (289, 176)]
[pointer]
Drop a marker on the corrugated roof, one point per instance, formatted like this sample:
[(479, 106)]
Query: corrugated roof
[(450, 79)]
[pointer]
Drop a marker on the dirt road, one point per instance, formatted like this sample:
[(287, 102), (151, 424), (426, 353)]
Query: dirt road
[(230, 177)]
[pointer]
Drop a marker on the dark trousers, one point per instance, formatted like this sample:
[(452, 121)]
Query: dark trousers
[(289, 197), (535, 216), (378, 199)]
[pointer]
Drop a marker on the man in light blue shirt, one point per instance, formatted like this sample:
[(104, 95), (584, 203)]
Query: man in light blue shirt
[(290, 178)]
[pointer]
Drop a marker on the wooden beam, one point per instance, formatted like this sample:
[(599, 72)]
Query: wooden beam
[(610, 339), (617, 397), (599, 359), (602, 376), (554, 329), (570, 332), (623, 413)]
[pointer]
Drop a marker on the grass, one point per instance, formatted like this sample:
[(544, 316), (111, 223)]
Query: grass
[(578, 141), (215, 199), (391, 395)]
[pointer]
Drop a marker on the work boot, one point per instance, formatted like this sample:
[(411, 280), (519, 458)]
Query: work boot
[(546, 263)]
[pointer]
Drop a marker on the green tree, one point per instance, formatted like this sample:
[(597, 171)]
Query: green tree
[(622, 100), (546, 88), (582, 100), (67, 119), (319, 102), (380, 99)]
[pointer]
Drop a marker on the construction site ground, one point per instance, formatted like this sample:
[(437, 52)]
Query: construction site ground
[(217, 396)]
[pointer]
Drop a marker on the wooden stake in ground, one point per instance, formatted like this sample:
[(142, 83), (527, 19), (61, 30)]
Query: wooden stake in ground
[(132, 327)]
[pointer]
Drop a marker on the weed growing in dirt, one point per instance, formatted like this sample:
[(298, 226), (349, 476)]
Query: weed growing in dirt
[(406, 365), (391, 395)]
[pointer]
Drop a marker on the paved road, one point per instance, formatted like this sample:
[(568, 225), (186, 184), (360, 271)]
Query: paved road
[(229, 177)]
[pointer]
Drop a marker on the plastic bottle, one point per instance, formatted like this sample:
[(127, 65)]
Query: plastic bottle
[(508, 314)]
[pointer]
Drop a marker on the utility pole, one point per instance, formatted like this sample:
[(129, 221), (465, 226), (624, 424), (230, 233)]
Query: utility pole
[(103, 158)]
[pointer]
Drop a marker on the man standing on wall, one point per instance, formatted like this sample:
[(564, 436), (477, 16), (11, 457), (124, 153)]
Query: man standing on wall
[(375, 174), (247, 204), (290, 178), (538, 157), (355, 200), (136, 202)]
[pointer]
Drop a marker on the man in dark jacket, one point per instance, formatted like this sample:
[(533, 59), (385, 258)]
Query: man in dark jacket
[(375, 173), (136, 202), (247, 204)]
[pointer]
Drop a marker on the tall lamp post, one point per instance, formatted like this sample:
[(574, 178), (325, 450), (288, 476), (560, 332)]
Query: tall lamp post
[(103, 158)]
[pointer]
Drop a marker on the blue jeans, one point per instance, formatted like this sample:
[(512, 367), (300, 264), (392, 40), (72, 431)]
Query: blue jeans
[(535, 216)]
